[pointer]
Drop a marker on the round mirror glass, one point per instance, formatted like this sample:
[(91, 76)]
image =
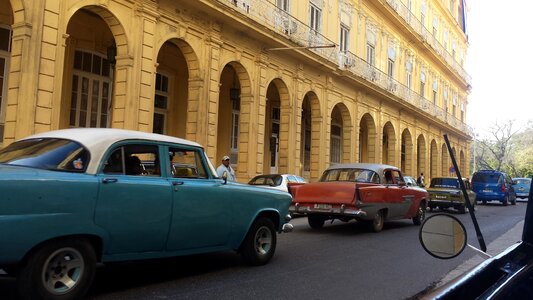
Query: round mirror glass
[(443, 236)]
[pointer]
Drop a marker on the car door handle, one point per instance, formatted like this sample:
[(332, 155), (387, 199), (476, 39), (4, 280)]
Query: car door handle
[(177, 183), (109, 180)]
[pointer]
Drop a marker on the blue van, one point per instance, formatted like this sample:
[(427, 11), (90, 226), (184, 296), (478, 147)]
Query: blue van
[(492, 185)]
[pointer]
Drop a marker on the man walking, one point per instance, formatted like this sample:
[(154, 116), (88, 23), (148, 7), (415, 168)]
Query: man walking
[(226, 167)]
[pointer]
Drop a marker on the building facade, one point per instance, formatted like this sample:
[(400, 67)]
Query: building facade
[(282, 86)]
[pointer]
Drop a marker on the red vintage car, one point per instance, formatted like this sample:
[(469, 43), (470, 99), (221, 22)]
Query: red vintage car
[(372, 193)]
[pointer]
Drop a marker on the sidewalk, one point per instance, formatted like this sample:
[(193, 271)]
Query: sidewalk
[(503, 242)]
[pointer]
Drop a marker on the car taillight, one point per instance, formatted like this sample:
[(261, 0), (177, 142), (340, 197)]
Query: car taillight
[(503, 187)]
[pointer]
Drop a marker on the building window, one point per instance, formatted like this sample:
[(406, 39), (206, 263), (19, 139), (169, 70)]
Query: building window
[(335, 144), (435, 90), (422, 84), (235, 119), (284, 5), (370, 54), (409, 74), (344, 41), (445, 40), (315, 18), (445, 99), (435, 27), (454, 105), (161, 103), (423, 11), (391, 62), (91, 91), (462, 112), (5, 49)]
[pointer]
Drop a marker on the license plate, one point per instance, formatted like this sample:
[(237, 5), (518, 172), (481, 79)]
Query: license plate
[(487, 191), (440, 197), (323, 206)]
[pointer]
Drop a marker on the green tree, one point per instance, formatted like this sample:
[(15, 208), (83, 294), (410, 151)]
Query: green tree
[(506, 149)]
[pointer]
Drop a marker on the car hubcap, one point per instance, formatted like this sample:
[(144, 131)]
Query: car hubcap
[(263, 240), (62, 271)]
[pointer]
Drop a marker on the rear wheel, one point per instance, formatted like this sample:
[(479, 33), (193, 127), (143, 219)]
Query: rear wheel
[(513, 202), (260, 243), (316, 221), (462, 209), (58, 270), (376, 225)]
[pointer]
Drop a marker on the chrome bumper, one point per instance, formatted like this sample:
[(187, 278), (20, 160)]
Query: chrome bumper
[(342, 210), (287, 227)]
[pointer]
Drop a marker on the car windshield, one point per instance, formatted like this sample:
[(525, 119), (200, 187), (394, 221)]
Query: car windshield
[(272, 180), (49, 154), (357, 175), (444, 183), (486, 177), (523, 181)]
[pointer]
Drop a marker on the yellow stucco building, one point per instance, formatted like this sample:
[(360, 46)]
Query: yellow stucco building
[(280, 85)]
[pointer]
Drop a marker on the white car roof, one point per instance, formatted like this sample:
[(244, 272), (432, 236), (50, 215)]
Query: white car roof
[(98, 140)]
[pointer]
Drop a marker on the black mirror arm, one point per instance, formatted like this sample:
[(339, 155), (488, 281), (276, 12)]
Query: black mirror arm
[(465, 194)]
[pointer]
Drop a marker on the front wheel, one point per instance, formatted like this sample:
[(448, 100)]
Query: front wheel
[(420, 214), (260, 243), (462, 209), (58, 270)]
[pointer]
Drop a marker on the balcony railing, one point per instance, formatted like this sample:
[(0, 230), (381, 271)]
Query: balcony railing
[(405, 13), (283, 23)]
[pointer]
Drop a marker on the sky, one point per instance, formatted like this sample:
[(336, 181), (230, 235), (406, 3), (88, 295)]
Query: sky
[(500, 61)]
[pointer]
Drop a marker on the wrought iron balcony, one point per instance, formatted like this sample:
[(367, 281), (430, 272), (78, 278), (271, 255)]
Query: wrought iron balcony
[(405, 13), (293, 29)]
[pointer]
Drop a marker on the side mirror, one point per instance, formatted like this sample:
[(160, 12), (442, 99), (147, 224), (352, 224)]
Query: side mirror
[(443, 236), (225, 177)]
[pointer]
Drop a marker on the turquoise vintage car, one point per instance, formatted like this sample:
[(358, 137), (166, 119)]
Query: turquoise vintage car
[(75, 197)]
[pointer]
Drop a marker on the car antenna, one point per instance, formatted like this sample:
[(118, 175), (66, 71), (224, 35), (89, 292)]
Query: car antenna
[(467, 200)]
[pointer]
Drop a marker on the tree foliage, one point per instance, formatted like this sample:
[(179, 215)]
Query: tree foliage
[(506, 149)]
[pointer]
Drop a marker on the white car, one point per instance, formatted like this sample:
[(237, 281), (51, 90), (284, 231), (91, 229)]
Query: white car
[(276, 181)]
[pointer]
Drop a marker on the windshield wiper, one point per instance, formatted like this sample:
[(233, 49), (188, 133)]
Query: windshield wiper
[(467, 199)]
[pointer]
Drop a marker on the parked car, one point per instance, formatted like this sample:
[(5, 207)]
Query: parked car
[(521, 187), (372, 193), (508, 275), (75, 197), (492, 185), (445, 192), (410, 181), (276, 181)]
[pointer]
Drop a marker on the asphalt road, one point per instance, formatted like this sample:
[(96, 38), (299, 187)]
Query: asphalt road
[(340, 261)]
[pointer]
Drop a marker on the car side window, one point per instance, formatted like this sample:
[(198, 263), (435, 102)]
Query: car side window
[(388, 177), (134, 160), (186, 163), (397, 177), (292, 179)]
